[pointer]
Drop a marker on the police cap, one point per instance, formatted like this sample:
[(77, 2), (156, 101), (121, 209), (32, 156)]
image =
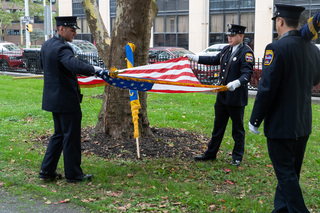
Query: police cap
[(67, 21), (287, 11), (235, 29)]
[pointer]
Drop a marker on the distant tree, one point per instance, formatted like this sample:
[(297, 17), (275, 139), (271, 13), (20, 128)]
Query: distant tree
[(12, 10), (36, 35)]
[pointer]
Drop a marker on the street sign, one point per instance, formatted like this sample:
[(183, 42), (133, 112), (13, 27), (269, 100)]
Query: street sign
[(27, 19), (24, 19)]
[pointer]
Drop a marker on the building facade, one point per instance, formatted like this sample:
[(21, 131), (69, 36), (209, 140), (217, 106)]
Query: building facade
[(196, 24), (192, 24)]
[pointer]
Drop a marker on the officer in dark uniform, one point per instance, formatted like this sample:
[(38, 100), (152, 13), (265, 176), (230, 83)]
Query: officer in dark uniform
[(236, 66), (61, 96), (290, 69)]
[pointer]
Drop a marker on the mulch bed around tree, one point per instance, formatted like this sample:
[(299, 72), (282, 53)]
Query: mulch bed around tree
[(167, 143)]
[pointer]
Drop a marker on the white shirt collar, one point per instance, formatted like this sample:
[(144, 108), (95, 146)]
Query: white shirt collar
[(235, 47)]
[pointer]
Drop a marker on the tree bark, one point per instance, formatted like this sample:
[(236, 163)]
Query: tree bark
[(133, 24)]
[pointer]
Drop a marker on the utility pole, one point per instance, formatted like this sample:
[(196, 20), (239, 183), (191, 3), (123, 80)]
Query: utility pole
[(44, 6), (51, 18), (26, 9)]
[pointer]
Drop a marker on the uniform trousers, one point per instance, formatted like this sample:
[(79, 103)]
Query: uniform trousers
[(66, 138), (287, 157), (222, 115)]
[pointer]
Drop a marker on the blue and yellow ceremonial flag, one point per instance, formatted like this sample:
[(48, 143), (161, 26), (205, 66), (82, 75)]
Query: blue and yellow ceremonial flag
[(134, 97), (311, 29)]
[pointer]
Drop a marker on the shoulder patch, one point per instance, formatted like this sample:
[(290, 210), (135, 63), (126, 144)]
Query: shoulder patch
[(249, 57), (268, 57)]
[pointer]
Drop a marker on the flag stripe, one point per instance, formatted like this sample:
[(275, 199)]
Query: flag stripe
[(162, 88)]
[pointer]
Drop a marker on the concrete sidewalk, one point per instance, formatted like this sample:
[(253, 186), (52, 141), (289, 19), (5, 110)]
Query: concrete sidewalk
[(10, 203)]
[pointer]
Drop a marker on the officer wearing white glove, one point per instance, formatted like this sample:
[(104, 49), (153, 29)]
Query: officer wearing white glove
[(233, 85), (192, 57), (253, 129), (97, 71)]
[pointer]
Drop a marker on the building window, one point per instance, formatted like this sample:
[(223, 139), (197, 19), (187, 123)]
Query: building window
[(224, 12), (171, 26), (77, 9), (159, 24), (84, 31), (247, 19), (13, 32)]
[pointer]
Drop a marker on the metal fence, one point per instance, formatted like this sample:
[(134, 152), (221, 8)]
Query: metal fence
[(27, 61)]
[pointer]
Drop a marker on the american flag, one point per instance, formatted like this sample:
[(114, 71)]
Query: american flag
[(172, 76)]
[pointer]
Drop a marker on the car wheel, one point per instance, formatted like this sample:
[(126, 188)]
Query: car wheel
[(4, 65)]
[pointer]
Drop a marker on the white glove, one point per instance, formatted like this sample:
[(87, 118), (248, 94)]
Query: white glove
[(192, 57), (97, 71), (233, 85), (253, 129)]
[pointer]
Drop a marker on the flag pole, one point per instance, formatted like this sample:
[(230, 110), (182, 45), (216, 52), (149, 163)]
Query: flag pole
[(28, 77), (134, 97)]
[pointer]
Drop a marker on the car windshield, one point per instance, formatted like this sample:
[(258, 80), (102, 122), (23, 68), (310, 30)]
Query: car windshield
[(11, 47), (181, 52), (86, 47)]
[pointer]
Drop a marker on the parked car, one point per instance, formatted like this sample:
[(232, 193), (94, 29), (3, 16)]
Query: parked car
[(11, 56), (85, 51), (165, 53), (213, 50)]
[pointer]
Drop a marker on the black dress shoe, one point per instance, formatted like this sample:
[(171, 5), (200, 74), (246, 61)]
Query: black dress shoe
[(43, 175), (203, 157), (80, 178), (235, 163)]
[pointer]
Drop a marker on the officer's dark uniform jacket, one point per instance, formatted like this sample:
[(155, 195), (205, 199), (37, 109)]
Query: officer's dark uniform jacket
[(241, 68), (61, 92), (286, 87)]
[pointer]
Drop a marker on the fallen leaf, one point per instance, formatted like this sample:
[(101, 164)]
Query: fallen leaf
[(85, 201), (211, 207), (130, 175), (227, 170), (65, 201)]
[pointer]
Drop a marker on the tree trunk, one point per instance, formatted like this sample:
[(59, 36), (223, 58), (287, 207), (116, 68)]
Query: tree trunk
[(133, 24)]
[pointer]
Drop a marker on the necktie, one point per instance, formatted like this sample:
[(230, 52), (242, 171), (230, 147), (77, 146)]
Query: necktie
[(229, 54)]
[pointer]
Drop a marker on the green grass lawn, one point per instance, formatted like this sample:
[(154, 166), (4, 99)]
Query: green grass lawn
[(157, 185)]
